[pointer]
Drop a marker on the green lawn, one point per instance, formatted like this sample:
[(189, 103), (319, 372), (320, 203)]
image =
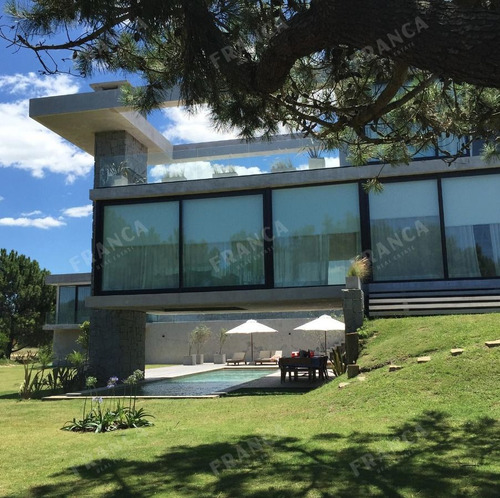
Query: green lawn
[(428, 430)]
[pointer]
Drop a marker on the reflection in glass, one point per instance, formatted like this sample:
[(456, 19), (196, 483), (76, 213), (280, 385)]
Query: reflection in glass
[(82, 313), (405, 232), (66, 304), (140, 247), (223, 241), (316, 235), (472, 221)]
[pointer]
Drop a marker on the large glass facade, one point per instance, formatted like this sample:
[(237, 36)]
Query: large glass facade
[(316, 234), (82, 313), (472, 225), (140, 247), (223, 241), (66, 304), (405, 232), (71, 304)]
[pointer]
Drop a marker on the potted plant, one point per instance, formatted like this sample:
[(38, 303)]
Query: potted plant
[(189, 359), (316, 160), (357, 272), (116, 174), (220, 357), (199, 336)]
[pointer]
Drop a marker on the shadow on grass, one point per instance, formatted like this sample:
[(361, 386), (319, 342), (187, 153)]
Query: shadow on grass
[(438, 459), (266, 392)]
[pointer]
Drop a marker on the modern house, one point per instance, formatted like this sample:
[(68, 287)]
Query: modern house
[(270, 242)]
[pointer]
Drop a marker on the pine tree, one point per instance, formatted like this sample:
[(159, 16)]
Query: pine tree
[(24, 302), (388, 78)]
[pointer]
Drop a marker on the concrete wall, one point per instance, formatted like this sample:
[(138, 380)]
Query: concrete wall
[(168, 342), (64, 342)]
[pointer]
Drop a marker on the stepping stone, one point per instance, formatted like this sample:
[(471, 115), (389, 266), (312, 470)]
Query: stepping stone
[(343, 384), (456, 351), (361, 378), (423, 359), (493, 344), (394, 368)]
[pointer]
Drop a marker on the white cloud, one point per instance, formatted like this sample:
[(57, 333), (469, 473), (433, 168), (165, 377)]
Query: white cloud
[(2, 198), (196, 170), (26, 144), (32, 213), (43, 223), (38, 86), (79, 211), (190, 127)]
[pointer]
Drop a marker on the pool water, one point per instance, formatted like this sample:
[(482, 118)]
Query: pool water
[(202, 384)]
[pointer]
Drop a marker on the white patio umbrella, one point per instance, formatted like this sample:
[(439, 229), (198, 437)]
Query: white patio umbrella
[(251, 327), (325, 323)]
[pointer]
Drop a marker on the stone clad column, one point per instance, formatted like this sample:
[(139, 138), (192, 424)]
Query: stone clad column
[(117, 343), (353, 304), (117, 337), (119, 150)]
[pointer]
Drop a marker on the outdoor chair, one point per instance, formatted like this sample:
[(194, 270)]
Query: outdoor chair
[(276, 356), (237, 359), (264, 356)]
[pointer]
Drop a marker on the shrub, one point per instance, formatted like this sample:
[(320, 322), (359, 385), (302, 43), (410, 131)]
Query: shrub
[(114, 416), (338, 360), (360, 267)]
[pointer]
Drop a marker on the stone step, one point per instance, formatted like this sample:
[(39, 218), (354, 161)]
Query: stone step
[(394, 368), (493, 344), (423, 359), (456, 351)]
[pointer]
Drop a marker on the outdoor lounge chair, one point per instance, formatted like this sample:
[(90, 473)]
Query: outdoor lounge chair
[(237, 359), (265, 357)]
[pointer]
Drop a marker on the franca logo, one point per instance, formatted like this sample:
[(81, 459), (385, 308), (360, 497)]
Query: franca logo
[(397, 40)]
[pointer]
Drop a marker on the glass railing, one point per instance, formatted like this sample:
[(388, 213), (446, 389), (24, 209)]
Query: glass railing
[(51, 318), (117, 171)]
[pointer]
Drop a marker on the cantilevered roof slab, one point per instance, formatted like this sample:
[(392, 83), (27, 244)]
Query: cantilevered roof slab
[(78, 117)]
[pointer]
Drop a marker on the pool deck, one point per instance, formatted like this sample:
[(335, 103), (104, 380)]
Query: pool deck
[(271, 381)]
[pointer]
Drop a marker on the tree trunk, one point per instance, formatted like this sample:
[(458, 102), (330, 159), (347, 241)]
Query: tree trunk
[(441, 37)]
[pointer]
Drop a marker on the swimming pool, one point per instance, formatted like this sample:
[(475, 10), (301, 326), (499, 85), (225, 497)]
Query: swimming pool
[(202, 384)]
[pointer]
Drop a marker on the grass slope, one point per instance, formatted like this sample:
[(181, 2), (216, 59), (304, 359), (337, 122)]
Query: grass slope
[(426, 430)]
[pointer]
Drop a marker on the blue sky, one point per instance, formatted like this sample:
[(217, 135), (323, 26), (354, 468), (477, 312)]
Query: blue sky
[(45, 212)]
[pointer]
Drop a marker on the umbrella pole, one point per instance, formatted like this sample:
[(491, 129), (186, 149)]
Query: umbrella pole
[(251, 344), (325, 344)]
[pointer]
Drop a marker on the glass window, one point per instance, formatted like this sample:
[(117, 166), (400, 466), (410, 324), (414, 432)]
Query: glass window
[(472, 225), (316, 234), (66, 304), (140, 247), (223, 241), (405, 232), (82, 313)]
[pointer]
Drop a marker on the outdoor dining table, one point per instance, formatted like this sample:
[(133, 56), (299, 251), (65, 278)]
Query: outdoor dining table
[(309, 365)]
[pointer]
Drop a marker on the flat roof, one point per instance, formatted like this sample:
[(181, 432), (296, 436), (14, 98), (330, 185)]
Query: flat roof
[(68, 279), (78, 117)]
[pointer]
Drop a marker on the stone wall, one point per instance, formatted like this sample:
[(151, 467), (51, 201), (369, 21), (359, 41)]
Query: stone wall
[(117, 146), (117, 343)]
